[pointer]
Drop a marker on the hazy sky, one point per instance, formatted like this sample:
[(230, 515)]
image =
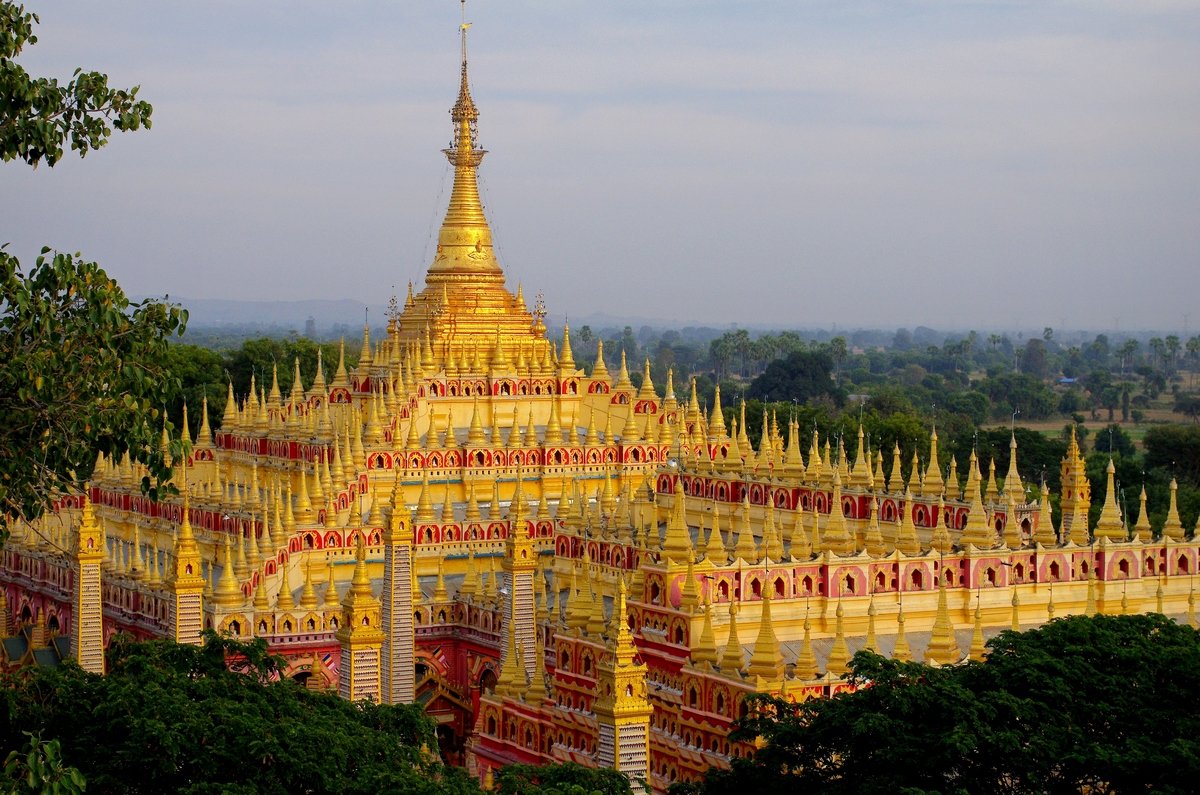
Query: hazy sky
[(965, 164)]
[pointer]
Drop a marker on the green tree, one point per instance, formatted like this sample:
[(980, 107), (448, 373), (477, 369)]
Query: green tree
[(1159, 348), (1128, 351), (721, 351), (1114, 439), (80, 372), (565, 779), (1033, 359), (839, 350), (1018, 391), (1098, 704), (1172, 346), (38, 115), (202, 373), (80, 364), (40, 770), (740, 340), (217, 718), (1175, 449), (1188, 404), (802, 376)]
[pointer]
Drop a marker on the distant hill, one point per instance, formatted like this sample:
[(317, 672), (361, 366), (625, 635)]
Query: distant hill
[(333, 318), (327, 316)]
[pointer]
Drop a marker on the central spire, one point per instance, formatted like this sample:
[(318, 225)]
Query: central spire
[(465, 305), (464, 251)]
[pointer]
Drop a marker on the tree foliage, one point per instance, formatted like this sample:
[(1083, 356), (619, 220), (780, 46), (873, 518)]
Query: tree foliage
[(1011, 392), (1097, 704), (80, 364), (176, 718), (801, 376), (563, 779), (1175, 448), (80, 372), (38, 115), (39, 769)]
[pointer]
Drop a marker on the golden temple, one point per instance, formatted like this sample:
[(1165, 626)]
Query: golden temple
[(559, 565)]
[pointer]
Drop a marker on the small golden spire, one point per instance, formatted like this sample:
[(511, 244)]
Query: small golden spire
[(953, 489), (906, 532), (677, 543), (801, 548), (716, 423), (714, 550), (766, 660), (943, 648), (977, 532), (895, 479), (1044, 534), (933, 484), (1172, 528), (227, 592), (978, 648), (425, 514), (901, 652), (871, 643), (475, 434), (440, 594), (599, 370), (623, 382), (537, 692), (839, 653), (1142, 528), (689, 597), (991, 491), (285, 601), (745, 548), (262, 604), (566, 360), (806, 660), (873, 540), (1111, 526), (731, 657), (1012, 526), (914, 475), (1012, 480), (647, 391), (704, 650), (837, 535), (470, 582)]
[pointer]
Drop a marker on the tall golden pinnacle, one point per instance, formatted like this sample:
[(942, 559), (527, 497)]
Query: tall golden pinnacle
[(465, 306), (465, 240)]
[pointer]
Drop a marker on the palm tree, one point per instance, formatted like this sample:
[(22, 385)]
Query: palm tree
[(1159, 349), (1193, 353), (1127, 351), (1171, 343)]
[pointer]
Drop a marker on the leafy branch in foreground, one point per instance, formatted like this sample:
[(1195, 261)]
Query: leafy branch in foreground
[(80, 373), (39, 114)]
